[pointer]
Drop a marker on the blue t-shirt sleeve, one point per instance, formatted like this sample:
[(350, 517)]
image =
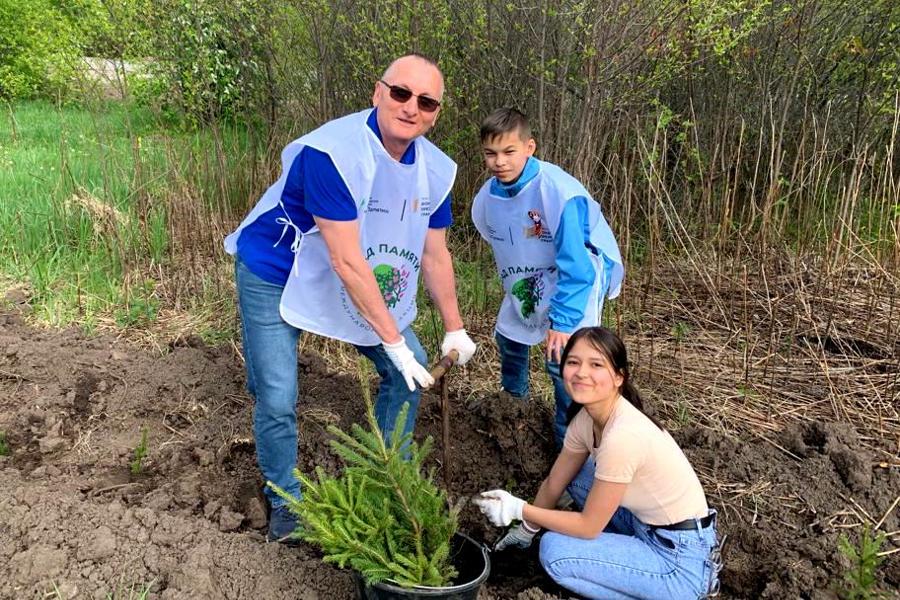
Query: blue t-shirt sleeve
[(576, 270), (314, 185), (443, 216)]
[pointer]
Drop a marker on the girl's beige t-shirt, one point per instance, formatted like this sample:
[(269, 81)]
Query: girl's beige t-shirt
[(662, 486)]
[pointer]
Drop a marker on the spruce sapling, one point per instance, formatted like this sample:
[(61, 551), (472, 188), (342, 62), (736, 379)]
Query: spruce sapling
[(381, 516)]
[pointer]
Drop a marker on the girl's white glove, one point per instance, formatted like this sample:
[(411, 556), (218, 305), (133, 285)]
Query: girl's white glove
[(519, 536), (500, 507)]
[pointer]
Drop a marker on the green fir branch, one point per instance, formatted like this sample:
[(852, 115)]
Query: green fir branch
[(382, 515)]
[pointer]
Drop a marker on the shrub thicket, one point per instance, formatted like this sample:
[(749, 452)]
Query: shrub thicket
[(726, 108), (211, 56), (38, 49)]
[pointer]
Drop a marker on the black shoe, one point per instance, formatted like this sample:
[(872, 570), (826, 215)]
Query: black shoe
[(282, 525)]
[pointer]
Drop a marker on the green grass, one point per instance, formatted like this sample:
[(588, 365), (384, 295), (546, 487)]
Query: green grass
[(136, 465), (4, 445), (478, 293), (69, 255), (85, 201), (86, 194)]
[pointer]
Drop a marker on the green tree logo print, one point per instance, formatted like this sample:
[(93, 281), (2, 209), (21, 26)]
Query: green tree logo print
[(392, 283), (529, 291)]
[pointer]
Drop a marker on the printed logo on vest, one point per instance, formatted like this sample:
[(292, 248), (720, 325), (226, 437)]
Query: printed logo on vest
[(422, 205), (373, 205), (492, 233), (416, 206), (529, 292), (392, 282), (537, 229), (395, 277)]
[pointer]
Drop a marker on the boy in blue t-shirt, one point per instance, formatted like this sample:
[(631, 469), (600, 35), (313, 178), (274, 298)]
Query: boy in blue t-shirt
[(555, 253)]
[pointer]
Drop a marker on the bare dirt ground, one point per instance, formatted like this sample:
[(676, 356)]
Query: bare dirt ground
[(75, 523)]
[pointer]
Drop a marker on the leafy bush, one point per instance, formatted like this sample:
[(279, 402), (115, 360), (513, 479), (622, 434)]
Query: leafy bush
[(209, 54), (110, 28), (38, 49)]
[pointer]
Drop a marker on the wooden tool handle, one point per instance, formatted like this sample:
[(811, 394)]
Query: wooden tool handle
[(443, 365)]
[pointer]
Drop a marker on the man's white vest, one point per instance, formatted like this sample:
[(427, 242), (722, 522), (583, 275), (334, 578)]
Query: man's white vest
[(520, 231), (394, 202)]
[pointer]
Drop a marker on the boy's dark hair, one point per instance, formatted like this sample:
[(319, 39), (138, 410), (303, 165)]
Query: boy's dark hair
[(502, 121)]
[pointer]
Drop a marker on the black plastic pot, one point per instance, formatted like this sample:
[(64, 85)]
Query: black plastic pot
[(468, 556)]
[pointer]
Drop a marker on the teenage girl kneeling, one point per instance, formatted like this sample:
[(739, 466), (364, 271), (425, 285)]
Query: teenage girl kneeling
[(644, 529)]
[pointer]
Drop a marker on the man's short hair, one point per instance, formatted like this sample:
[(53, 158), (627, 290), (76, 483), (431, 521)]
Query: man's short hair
[(422, 57), (503, 121)]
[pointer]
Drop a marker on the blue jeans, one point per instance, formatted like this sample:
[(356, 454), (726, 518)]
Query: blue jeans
[(393, 391), (514, 379), (629, 559), (270, 357)]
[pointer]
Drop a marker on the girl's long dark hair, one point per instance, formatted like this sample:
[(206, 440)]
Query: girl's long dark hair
[(611, 345)]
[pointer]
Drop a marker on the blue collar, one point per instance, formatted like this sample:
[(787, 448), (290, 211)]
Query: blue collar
[(409, 156), (531, 169)]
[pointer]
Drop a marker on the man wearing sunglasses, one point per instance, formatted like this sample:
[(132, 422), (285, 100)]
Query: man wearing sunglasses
[(335, 247)]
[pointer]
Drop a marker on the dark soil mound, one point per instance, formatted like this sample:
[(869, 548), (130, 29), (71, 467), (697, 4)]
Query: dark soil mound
[(75, 518)]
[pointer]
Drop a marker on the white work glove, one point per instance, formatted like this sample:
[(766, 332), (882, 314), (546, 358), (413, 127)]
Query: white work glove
[(500, 507), (406, 363), (519, 536), (460, 341)]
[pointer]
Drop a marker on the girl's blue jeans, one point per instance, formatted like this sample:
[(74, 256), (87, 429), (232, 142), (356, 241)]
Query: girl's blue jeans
[(514, 379), (270, 357), (630, 559)]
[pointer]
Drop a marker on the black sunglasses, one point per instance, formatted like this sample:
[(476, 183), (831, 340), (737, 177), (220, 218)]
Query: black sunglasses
[(402, 95)]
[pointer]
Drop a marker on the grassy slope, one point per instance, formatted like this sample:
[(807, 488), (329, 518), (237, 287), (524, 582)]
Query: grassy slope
[(67, 191)]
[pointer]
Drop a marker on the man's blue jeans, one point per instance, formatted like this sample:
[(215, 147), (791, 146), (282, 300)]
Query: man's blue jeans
[(514, 379), (629, 559), (270, 357)]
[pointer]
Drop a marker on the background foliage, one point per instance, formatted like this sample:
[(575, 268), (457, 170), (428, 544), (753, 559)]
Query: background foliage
[(700, 125), (587, 72), (37, 49)]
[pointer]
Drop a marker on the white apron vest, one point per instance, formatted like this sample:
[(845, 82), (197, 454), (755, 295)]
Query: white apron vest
[(394, 203), (520, 231)]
